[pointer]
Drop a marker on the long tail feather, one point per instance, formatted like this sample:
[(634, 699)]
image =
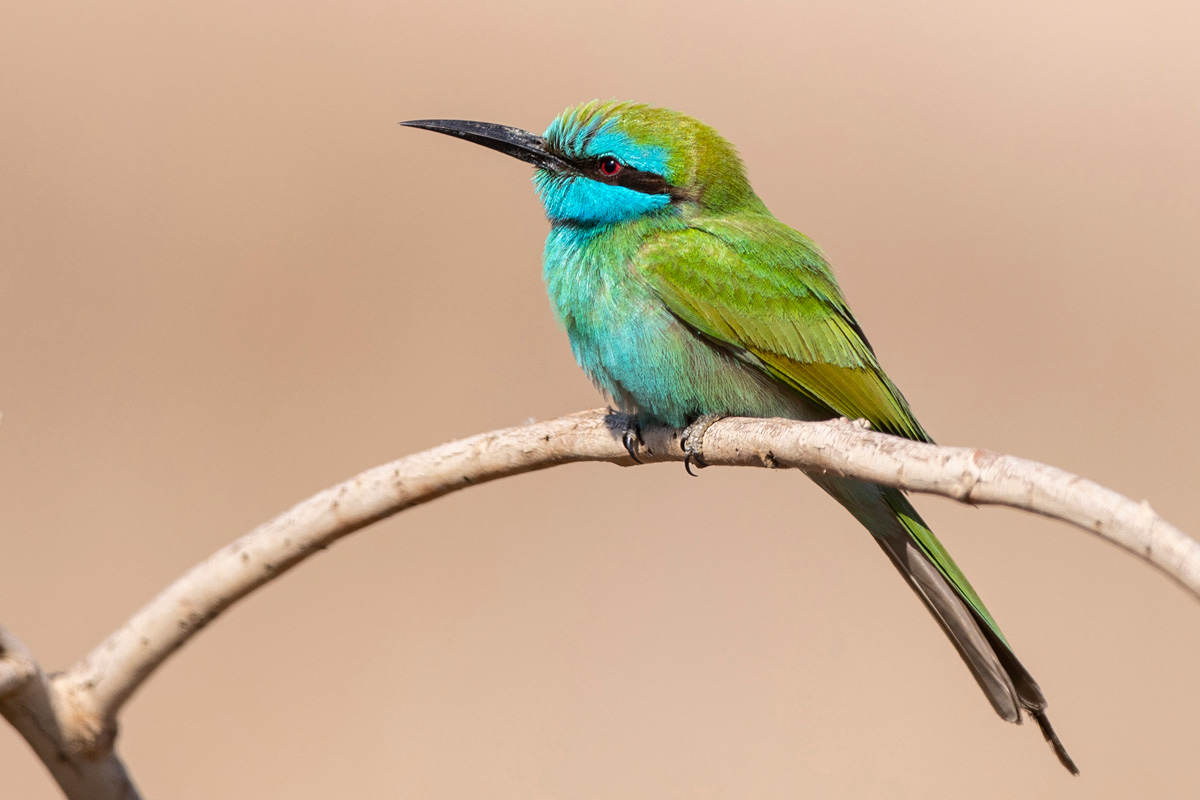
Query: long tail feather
[(959, 624), (945, 591)]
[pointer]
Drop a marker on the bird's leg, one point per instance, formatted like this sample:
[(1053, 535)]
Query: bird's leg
[(692, 441), (631, 433)]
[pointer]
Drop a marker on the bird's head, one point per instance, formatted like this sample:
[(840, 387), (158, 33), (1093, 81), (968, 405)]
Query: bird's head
[(606, 162)]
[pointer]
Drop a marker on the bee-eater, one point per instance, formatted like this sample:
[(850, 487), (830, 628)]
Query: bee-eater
[(686, 300)]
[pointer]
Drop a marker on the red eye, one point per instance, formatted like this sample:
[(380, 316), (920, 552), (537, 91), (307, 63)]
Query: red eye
[(609, 166)]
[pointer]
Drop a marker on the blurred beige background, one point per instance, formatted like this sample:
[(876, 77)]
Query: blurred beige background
[(229, 279)]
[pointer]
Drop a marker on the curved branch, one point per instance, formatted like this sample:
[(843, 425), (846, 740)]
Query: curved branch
[(102, 682), (115, 669)]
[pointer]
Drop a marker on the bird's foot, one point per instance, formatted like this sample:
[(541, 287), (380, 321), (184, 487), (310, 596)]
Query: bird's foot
[(692, 441), (630, 430)]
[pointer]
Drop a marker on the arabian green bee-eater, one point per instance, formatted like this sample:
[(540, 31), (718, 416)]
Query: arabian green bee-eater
[(686, 300)]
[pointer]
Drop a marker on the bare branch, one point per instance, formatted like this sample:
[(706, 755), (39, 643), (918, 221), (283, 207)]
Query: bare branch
[(85, 767), (84, 702), (118, 666)]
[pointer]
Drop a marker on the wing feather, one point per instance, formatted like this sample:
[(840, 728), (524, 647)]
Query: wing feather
[(756, 285)]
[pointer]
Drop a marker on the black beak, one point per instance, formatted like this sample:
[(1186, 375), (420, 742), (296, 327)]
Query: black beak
[(510, 141)]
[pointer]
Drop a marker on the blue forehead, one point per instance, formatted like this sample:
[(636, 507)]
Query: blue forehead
[(612, 142), (597, 137)]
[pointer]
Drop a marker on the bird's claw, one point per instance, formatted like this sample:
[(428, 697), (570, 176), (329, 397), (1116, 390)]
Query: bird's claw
[(692, 442), (631, 437)]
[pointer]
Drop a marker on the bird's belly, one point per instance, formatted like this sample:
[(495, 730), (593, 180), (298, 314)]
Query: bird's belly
[(653, 365)]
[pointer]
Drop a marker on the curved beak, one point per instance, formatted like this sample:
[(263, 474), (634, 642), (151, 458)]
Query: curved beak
[(508, 140)]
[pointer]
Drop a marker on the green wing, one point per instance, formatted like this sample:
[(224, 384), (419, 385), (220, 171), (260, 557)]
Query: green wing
[(755, 285), (757, 288)]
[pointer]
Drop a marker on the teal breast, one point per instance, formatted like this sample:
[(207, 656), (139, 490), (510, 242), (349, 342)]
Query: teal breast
[(635, 350)]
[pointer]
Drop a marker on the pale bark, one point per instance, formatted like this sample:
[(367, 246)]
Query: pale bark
[(70, 720)]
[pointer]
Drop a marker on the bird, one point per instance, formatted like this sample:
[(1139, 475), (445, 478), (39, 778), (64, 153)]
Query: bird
[(685, 300)]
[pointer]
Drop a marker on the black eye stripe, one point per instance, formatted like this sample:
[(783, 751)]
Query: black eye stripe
[(627, 176)]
